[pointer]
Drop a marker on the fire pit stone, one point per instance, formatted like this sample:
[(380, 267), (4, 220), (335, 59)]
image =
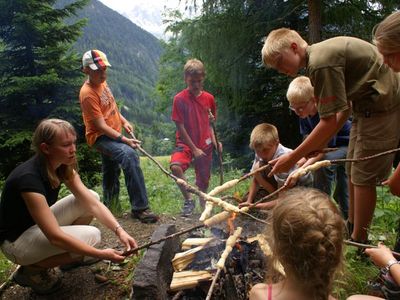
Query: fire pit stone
[(154, 272)]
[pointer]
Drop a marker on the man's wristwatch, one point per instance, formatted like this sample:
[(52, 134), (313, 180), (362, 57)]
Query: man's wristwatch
[(390, 263)]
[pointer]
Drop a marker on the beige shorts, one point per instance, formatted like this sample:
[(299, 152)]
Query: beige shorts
[(32, 245), (369, 136)]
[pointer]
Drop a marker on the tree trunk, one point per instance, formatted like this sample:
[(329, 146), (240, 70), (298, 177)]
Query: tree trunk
[(314, 21)]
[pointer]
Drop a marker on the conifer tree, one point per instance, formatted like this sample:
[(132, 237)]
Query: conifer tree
[(39, 76)]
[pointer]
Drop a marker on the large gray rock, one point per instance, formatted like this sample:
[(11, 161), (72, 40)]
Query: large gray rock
[(154, 272)]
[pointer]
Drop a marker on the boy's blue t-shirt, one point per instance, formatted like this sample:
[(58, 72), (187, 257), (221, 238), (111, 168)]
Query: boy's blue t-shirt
[(339, 140)]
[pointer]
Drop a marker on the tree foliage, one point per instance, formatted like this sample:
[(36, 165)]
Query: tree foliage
[(228, 36), (38, 73)]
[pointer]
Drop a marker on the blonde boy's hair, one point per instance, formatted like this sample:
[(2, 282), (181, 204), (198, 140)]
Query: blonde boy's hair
[(194, 67), (278, 40), (387, 33), (300, 90), (263, 136)]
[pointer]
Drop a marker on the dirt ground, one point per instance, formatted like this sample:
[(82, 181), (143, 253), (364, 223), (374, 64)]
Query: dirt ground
[(87, 282), (104, 280)]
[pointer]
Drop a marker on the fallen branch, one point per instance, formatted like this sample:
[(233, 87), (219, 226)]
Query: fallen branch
[(367, 246)]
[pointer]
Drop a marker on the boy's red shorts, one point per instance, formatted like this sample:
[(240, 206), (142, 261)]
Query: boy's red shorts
[(183, 157)]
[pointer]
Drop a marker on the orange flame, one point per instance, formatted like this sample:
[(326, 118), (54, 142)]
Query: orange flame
[(229, 222)]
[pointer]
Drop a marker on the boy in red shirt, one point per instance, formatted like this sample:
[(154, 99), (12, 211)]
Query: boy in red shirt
[(194, 135)]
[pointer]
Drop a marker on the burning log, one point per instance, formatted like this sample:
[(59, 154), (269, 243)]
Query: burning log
[(189, 243), (183, 259), (188, 279), (230, 242)]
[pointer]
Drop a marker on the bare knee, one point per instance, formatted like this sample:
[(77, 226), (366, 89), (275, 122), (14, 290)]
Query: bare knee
[(177, 170)]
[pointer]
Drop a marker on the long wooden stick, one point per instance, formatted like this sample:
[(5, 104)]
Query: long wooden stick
[(153, 159), (8, 280), (273, 194), (221, 167), (190, 188), (178, 295), (230, 242), (366, 246), (336, 161), (244, 177), (129, 252), (211, 289), (333, 161)]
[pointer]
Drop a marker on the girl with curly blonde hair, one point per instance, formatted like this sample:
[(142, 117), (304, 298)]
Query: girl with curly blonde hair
[(306, 238)]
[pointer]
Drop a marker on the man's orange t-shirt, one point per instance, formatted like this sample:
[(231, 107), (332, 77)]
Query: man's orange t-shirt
[(98, 102)]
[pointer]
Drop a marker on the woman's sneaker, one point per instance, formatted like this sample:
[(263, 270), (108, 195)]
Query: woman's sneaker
[(85, 261), (42, 281)]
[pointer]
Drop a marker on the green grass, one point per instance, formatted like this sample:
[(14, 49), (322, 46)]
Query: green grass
[(163, 193), (6, 268), (165, 197), (357, 272)]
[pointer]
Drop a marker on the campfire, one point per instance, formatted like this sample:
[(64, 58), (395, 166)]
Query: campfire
[(240, 261)]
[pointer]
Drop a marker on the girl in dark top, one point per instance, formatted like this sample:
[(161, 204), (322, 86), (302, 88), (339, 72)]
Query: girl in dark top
[(306, 236), (40, 233)]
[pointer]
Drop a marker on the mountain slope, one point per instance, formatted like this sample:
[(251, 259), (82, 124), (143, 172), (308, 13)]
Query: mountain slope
[(132, 52)]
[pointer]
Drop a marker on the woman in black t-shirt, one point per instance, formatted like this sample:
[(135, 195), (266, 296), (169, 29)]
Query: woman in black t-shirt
[(40, 233)]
